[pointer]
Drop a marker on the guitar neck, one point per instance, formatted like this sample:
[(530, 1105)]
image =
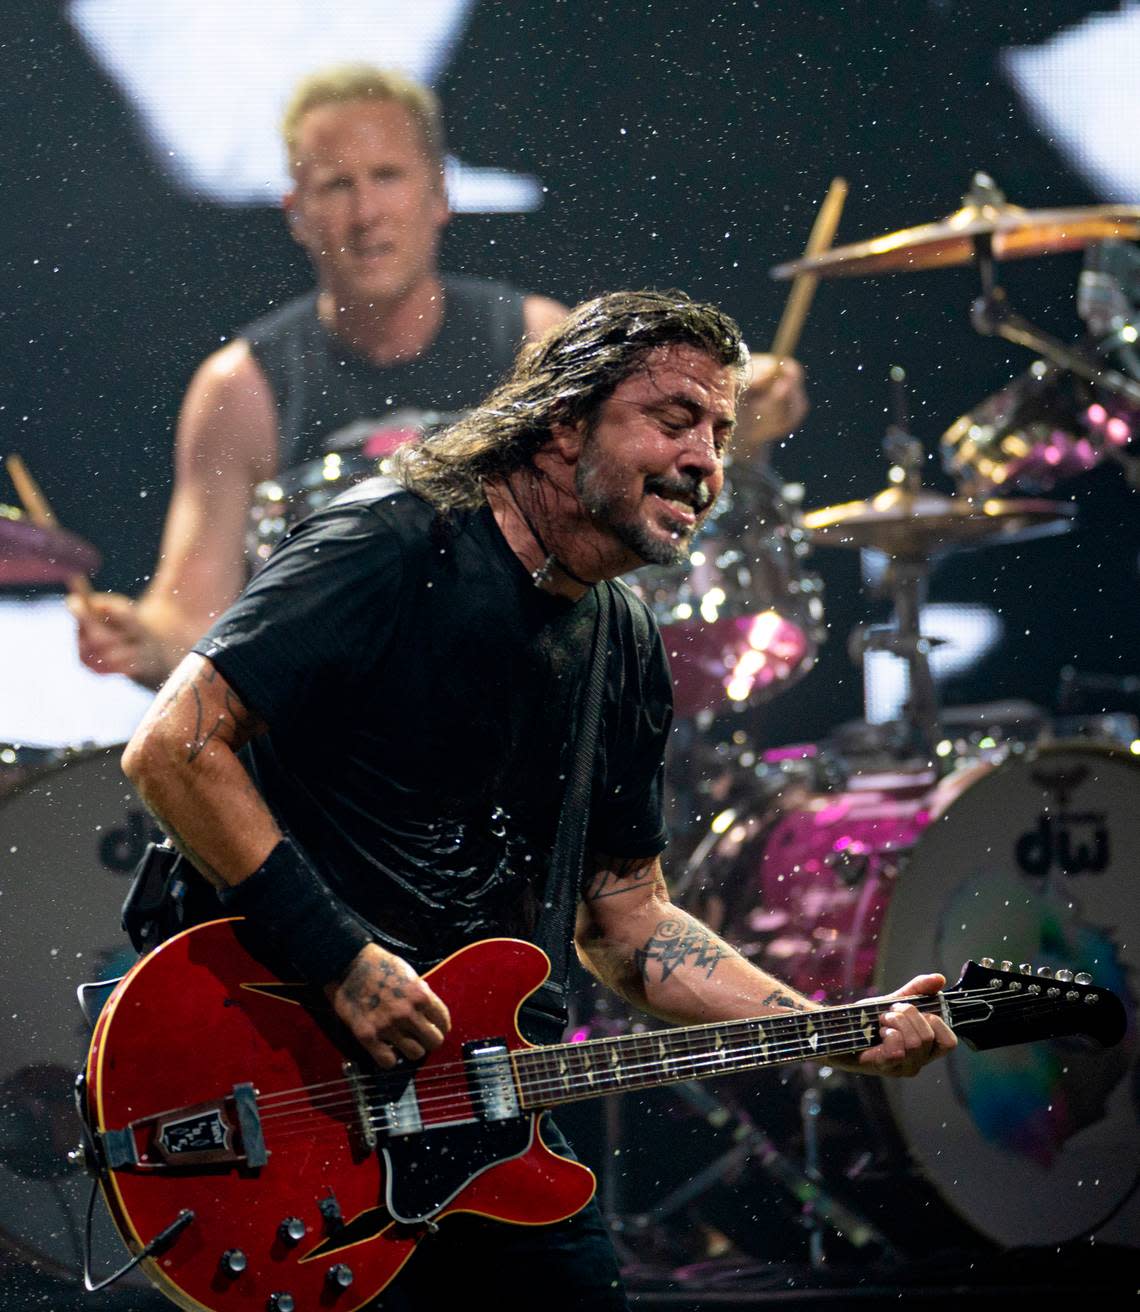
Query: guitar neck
[(571, 1072)]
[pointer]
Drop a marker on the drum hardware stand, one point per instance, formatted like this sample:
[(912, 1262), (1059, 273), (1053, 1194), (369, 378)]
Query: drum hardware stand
[(992, 315), (905, 582), (906, 585), (818, 1208)]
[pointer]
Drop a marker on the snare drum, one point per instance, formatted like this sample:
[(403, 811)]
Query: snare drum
[(69, 840), (852, 893)]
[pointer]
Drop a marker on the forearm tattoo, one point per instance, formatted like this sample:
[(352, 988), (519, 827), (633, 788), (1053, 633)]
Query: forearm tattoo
[(677, 941), (620, 876), (232, 726), (778, 998)]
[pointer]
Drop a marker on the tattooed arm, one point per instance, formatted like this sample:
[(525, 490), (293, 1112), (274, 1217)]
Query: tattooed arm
[(183, 761), (636, 941)]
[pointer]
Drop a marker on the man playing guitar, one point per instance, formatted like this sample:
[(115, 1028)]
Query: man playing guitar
[(403, 680)]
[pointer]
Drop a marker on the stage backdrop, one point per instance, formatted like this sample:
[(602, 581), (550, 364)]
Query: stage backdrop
[(593, 147)]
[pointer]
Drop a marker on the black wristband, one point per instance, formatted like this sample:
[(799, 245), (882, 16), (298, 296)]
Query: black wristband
[(288, 902)]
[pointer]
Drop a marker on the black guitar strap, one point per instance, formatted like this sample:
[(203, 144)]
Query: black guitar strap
[(554, 932)]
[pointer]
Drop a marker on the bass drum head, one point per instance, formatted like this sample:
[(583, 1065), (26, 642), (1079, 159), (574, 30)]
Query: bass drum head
[(1033, 862), (69, 841)]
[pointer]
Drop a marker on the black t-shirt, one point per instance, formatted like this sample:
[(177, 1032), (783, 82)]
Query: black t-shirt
[(420, 694), (322, 388)]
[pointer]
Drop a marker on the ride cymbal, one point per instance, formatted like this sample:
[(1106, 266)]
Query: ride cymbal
[(921, 524), (1014, 233)]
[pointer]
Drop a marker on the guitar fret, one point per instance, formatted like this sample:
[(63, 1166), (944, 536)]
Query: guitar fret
[(568, 1072)]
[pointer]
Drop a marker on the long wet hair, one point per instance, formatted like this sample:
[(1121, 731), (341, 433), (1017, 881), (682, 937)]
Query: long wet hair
[(563, 378)]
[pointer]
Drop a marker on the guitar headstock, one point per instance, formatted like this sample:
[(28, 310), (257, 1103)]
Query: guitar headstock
[(995, 1004)]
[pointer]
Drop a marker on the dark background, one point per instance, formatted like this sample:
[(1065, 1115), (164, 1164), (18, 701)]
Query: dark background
[(677, 151)]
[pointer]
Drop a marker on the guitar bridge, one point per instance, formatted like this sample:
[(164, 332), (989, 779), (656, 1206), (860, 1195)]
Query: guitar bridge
[(364, 1121)]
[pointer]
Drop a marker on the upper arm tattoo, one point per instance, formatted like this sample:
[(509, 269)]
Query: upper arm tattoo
[(231, 724), (617, 875)]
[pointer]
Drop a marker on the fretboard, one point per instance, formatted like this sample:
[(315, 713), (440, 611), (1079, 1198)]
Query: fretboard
[(569, 1072)]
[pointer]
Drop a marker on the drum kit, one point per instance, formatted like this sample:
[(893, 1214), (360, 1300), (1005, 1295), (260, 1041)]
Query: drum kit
[(844, 867), (848, 866)]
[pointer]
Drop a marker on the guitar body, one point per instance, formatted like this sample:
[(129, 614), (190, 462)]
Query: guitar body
[(199, 1018)]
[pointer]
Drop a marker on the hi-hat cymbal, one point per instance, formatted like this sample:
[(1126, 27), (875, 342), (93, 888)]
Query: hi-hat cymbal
[(925, 523), (36, 553), (1015, 234)]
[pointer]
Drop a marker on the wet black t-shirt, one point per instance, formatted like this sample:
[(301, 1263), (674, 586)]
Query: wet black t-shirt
[(421, 697)]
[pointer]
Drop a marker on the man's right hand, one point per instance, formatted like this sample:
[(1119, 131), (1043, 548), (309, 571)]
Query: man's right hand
[(114, 639), (390, 1010)]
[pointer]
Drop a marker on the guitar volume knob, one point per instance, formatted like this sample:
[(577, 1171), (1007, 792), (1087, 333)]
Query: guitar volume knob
[(234, 1261), (281, 1302), (339, 1276), (292, 1230)]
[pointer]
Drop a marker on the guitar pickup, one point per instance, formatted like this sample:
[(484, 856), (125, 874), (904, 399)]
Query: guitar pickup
[(224, 1132), (492, 1081)]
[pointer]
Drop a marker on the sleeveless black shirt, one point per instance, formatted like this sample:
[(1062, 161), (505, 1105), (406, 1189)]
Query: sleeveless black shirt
[(322, 387)]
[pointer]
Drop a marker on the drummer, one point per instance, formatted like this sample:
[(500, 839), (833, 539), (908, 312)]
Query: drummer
[(383, 329)]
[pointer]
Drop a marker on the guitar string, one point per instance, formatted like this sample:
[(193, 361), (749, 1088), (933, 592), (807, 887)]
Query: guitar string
[(825, 1020), (345, 1094), (824, 1017), (690, 1063), (699, 1065)]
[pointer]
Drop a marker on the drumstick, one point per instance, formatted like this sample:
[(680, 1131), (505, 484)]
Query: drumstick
[(803, 286), (39, 511)]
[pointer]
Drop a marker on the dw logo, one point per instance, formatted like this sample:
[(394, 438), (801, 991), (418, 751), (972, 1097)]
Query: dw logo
[(1075, 842)]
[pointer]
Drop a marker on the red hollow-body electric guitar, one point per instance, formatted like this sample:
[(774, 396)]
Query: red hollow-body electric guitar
[(261, 1162)]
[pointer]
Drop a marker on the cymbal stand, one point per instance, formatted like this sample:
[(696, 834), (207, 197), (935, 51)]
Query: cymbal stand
[(992, 315), (906, 583)]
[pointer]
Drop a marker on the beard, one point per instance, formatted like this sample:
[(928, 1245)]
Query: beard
[(609, 503)]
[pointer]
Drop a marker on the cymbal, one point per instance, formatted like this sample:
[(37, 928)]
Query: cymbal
[(1016, 233), (36, 553), (925, 523)]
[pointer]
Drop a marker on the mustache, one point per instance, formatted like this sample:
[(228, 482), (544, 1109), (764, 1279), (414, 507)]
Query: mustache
[(694, 491)]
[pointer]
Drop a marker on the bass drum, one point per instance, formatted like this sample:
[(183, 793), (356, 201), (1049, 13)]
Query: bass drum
[(1034, 861), (70, 838)]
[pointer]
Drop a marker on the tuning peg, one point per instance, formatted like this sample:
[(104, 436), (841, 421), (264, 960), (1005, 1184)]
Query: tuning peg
[(1082, 978), (986, 963), (1064, 976), (1044, 972), (1006, 966), (1025, 968)]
